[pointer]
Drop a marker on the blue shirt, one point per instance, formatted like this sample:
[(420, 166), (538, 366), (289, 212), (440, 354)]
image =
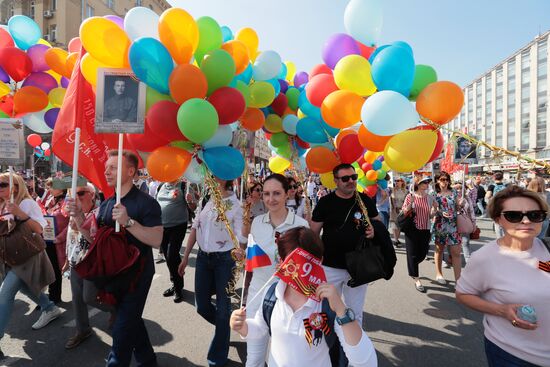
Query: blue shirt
[(385, 206)]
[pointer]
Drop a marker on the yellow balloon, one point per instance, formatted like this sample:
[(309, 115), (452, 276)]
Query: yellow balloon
[(56, 76), (327, 179), (300, 114), (88, 66), (42, 41), (290, 70), (249, 37), (105, 41), (278, 164), (360, 173), (56, 96), (410, 150), (4, 89), (273, 123), (262, 94), (353, 73), (179, 32)]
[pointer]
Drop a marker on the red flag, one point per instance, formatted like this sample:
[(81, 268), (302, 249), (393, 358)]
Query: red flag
[(302, 271), (78, 110)]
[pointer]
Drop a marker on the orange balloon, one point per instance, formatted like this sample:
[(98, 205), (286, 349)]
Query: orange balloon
[(371, 175), (70, 62), (371, 141), (342, 109), (239, 53), (342, 134), (179, 32), (321, 160), (56, 58), (370, 156), (249, 38), (187, 81), (252, 119), (440, 102), (29, 99), (167, 164)]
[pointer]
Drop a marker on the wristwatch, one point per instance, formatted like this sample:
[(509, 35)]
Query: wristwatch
[(130, 223), (348, 317)]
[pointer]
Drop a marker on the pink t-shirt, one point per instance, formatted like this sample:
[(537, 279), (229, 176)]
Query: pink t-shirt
[(502, 276)]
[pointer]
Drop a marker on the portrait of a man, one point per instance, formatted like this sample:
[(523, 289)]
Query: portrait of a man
[(120, 104), (465, 151)]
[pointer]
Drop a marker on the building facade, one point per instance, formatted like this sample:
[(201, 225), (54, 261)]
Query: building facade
[(507, 106), (60, 19)]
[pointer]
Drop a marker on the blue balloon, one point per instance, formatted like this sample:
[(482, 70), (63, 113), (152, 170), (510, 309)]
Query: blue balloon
[(332, 131), (152, 63), (227, 34), (311, 131), (376, 165), (404, 45), (383, 184), (290, 123), (305, 105), (246, 75), (282, 72), (276, 85), (393, 69), (24, 31), (226, 163), (376, 52), (388, 113)]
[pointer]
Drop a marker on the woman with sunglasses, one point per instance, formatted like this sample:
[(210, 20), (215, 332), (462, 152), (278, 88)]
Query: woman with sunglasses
[(397, 198), (257, 206), (295, 200), (538, 185), (263, 233), (506, 274), (445, 229)]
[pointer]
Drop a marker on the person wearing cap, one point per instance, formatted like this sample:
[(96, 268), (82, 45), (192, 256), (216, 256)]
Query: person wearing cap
[(397, 198)]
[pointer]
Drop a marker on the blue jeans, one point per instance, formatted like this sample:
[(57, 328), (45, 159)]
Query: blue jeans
[(129, 333), (9, 288), (498, 357), (385, 216), (466, 250), (212, 273)]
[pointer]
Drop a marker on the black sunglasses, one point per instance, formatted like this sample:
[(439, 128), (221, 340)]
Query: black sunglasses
[(293, 187), (257, 189), (515, 216), (347, 178), (3, 185), (82, 193)]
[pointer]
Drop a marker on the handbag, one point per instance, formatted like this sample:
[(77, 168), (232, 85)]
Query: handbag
[(18, 242), (475, 234), (405, 220), (464, 223)]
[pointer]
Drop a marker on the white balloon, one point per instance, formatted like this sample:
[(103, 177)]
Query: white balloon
[(141, 22), (363, 20), (267, 65), (221, 138), (194, 172), (289, 124), (45, 145), (35, 122)]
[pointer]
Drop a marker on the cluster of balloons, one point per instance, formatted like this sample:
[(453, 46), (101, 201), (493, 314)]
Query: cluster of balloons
[(41, 149), (33, 75)]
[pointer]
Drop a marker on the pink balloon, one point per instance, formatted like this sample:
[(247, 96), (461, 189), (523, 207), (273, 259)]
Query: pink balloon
[(36, 53)]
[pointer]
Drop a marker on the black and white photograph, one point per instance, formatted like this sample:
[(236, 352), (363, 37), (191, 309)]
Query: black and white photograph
[(120, 102), (465, 151), (12, 142)]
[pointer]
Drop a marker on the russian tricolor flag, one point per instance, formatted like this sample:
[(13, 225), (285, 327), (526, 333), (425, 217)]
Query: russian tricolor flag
[(256, 258)]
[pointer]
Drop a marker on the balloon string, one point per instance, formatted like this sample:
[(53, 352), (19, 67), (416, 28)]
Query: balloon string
[(299, 172)]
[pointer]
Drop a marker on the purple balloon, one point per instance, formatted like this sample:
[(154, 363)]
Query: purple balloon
[(50, 117), (64, 82), (44, 81), (36, 53), (338, 46), (4, 77), (300, 78), (116, 19), (284, 85)]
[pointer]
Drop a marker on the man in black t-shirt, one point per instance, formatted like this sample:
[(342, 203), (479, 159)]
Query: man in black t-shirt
[(340, 218)]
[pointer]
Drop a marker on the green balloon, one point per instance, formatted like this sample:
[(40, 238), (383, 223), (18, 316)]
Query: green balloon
[(197, 120), (381, 174), (186, 145), (279, 140), (219, 68), (284, 151), (423, 76), (292, 94), (152, 97), (262, 94), (245, 91), (210, 37), (4, 115)]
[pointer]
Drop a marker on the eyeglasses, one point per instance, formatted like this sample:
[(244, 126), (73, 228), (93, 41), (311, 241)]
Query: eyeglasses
[(515, 216), (257, 189), (293, 187), (3, 185), (347, 178), (443, 179), (82, 193)]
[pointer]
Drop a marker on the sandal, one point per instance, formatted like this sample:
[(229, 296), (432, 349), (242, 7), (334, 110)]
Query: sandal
[(419, 287)]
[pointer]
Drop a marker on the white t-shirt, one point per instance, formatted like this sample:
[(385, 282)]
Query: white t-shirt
[(311, 188), (298, 209), (503, 276), (32, 209)]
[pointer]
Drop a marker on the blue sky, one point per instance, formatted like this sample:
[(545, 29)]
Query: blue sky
[(460, 39)]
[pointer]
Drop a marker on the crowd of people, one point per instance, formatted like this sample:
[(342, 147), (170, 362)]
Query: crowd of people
[(279, 214)]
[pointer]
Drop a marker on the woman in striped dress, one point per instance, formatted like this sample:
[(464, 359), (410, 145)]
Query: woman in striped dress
[(417, 240)]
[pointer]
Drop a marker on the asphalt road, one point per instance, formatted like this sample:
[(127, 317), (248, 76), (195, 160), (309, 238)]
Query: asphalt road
[(408, 328)]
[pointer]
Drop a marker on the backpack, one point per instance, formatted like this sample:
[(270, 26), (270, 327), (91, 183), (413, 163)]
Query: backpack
[(498, 187)]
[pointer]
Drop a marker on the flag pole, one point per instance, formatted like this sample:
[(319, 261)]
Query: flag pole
[(242, 291), (119, 176), (75, 162), (260, 291), (10, 168), (32, 173)]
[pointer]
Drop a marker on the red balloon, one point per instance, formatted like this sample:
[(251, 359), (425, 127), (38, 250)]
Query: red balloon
[(48, 152), (366, 51), (15, 62), (34, 140), (229, 103), (361, 161), (148, 141), (302, 144), (162, 118), (366, 166), (6, 105), (280, 104), (350, 149), (74, 45), (5, 39), (319, 87), (371, 190), (319, 69)]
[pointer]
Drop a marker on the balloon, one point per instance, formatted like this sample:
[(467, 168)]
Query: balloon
[(338, 46), (438, 146), (301, 78), (149, 140), (306, 106), (226, 163), (366, 51), (222, 137), (273, 123), (179, 32), (74, 45), (321, 160), (45, 146), (246, 75), (353, 73), (162, 118), (278, 164), (311, 131), (239, 53), (290, 123), (70, 63), (410, 150), (376, 165), (4, 77), (34, 140), (141, 22), (227, 34), (187, 81), (5, 39), (24, 31), (56, 96), (41, 80), (167, 164), (342, 109), (35, 122), (371, 190), (440, 102), (245, 91), (252, 119), (50, 117), (371, 141), (423, 76), (195, 172), (393, 69), (105, 41), (198, 120), (261, 94), (89, 66), (229, 103), (279, 139), (280, 104), (275, 84), (15, 62), (56, 58), (363, 20), (319, 69), (371, 175), (37, 55), (292, 95), (370, 156), (319, 87), (342, 134), (48, 153), (29, 99), (4, 89), (267, 65), (250, 39), (350, 150), (219, 68), (152, 64), (115, 19), (388, 113), (327, 180), (210, 37)]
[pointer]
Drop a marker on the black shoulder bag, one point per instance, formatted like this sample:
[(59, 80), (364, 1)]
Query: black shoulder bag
[(405, 220)]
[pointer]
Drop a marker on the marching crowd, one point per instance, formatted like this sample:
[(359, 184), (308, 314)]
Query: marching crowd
[(113, 271)]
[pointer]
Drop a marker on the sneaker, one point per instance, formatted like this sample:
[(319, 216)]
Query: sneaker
[(75, 340), (160, 258), (46, 317), (440, 280), (178, 296), (169, 292)]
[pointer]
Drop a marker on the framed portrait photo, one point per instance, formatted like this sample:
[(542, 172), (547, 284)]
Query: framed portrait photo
[(12, 142), (465, 152), (120, 102)]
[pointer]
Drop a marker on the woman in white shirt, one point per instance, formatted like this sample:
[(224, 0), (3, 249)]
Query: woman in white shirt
[(278, 219), (214, 268), (289, 346), (509, 273)]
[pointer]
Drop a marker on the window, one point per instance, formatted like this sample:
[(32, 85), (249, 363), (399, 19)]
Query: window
[(499, 74), (512, 68), (53, 33), (138, 2), (53, 4), (525, 76), (32, 10), (542, 49), (498, 129), (525, 60), (111, 4), (90, 11), (541, 130), (525, 131)]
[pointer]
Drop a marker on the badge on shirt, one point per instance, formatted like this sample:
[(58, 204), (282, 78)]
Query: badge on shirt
[(544, 266), (315, 326)]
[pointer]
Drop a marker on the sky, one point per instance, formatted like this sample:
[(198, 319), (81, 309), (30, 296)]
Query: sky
[(460, 39)]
